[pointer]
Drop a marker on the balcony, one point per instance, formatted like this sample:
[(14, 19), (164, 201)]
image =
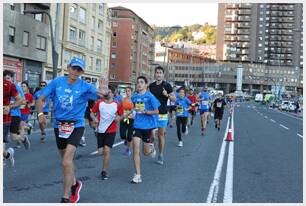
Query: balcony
[(231, 6), (244, 25), (245, 51), (244, 18), (243, 38), (244, 12), (243, 31), (245, 6)]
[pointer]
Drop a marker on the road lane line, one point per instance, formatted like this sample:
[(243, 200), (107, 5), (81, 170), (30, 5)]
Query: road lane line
[(228, 188), (283, 126), (266, 117), (115, 145), (272, 120), (299, 135), (214, 187), (288, 115)]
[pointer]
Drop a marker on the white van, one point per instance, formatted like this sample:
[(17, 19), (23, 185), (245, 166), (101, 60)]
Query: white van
[(259, 98)]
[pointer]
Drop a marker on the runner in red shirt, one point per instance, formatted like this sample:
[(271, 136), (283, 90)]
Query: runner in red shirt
[(9, 90), (26, 111), (109, 113), (193, 98)]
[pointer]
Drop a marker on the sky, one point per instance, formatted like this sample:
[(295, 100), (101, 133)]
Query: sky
[(172, 14)]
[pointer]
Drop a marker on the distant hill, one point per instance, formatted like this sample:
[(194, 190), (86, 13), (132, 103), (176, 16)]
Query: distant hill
[(203, 34)]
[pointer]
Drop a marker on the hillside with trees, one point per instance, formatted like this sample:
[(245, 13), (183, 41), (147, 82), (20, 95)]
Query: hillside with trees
[(177, 33)]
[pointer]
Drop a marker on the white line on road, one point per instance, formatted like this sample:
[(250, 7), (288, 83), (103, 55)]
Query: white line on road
[(115, 145), (228, 188), (272, 120), (287, 115), (266, 117), (283, 126), (213, 190), (299, 135)]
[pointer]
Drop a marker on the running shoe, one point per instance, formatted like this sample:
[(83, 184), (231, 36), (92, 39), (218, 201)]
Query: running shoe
[(30, 126), (180, 144), (11, 157), (82, 142), (75, 192), (26, 142), (104, 175), (127, 152), (153, 151), (42, 137), (136, 179), (186, 132), (160, 160), (65, 200)]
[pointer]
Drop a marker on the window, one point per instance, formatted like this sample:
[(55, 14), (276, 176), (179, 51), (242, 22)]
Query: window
[(114, 34), (73, 11), (114, 44), (99, 45), (12, 34), (92, 42), (98, 65), (82, 16), (25, 39), (101, 9), (93, 7), (41, 43), (113, 76), (100, 25), (38, 17), (83, 57), (72, 34), (91, 63), (115, 24), (12, 6), (113, 66), (82, 38), (114, 55), (93, 23)]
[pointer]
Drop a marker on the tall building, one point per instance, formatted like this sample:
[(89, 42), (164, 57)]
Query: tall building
[(84, 31), (270, 34), (132, 47), (24, 41)]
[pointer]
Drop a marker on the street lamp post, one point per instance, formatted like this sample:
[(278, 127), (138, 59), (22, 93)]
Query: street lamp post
[(54, 53)]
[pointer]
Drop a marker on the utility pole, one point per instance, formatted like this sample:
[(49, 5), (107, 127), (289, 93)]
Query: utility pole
[(58, 7)]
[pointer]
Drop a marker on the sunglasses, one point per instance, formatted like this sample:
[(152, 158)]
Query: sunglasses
[(79, 69), (42, 85)]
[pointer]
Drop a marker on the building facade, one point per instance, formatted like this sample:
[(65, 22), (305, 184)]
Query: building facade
[(132, 47), (270, 34), (84, 31), (25, 41)]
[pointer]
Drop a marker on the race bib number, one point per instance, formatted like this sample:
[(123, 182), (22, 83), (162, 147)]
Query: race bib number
[(139, 106), (180, 110), (204, 103), (163, 117), (65, 130), (219, 104)]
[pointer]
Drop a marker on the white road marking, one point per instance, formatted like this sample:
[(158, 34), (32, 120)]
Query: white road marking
[(299, 135), (283, 126), (288, 115), (214, 187), (266, 117), (115, 145), (228, 188), (272, 120)]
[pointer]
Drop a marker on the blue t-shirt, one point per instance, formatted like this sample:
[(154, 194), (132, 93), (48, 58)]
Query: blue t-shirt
[(147, 102), (16, 111), (204, 102), (118, 99), (46, 103), (69, 101), (182, 105)]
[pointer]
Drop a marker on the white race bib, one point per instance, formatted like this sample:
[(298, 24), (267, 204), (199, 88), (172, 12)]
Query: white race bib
[(65, 130), (204, 103), (219, 104)]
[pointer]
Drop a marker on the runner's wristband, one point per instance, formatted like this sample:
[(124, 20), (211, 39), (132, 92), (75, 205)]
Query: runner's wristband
[(39, 114)]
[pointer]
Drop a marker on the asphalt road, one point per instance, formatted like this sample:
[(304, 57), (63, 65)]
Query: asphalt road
[(267, 167)]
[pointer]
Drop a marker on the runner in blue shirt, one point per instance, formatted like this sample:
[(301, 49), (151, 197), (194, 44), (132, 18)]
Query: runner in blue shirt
[(204, 99), (182, 107), (146, 107), (69, 96), (46, 109)]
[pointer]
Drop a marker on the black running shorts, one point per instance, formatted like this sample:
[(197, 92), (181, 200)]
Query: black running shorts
[(143, 134), (107, 139), (74, 138), (14, 127)]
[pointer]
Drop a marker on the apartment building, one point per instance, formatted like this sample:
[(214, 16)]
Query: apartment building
[(24, 41), (270, 34), (84, 31), (132, 47)]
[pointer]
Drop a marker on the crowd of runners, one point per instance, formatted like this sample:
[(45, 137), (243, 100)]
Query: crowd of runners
[(141, 117)]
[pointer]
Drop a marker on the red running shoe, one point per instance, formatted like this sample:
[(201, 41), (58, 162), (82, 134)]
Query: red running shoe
[(75, 192)]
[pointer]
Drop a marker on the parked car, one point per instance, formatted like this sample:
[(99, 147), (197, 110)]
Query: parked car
[(291, 107), (284, 105), (272, 104)]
